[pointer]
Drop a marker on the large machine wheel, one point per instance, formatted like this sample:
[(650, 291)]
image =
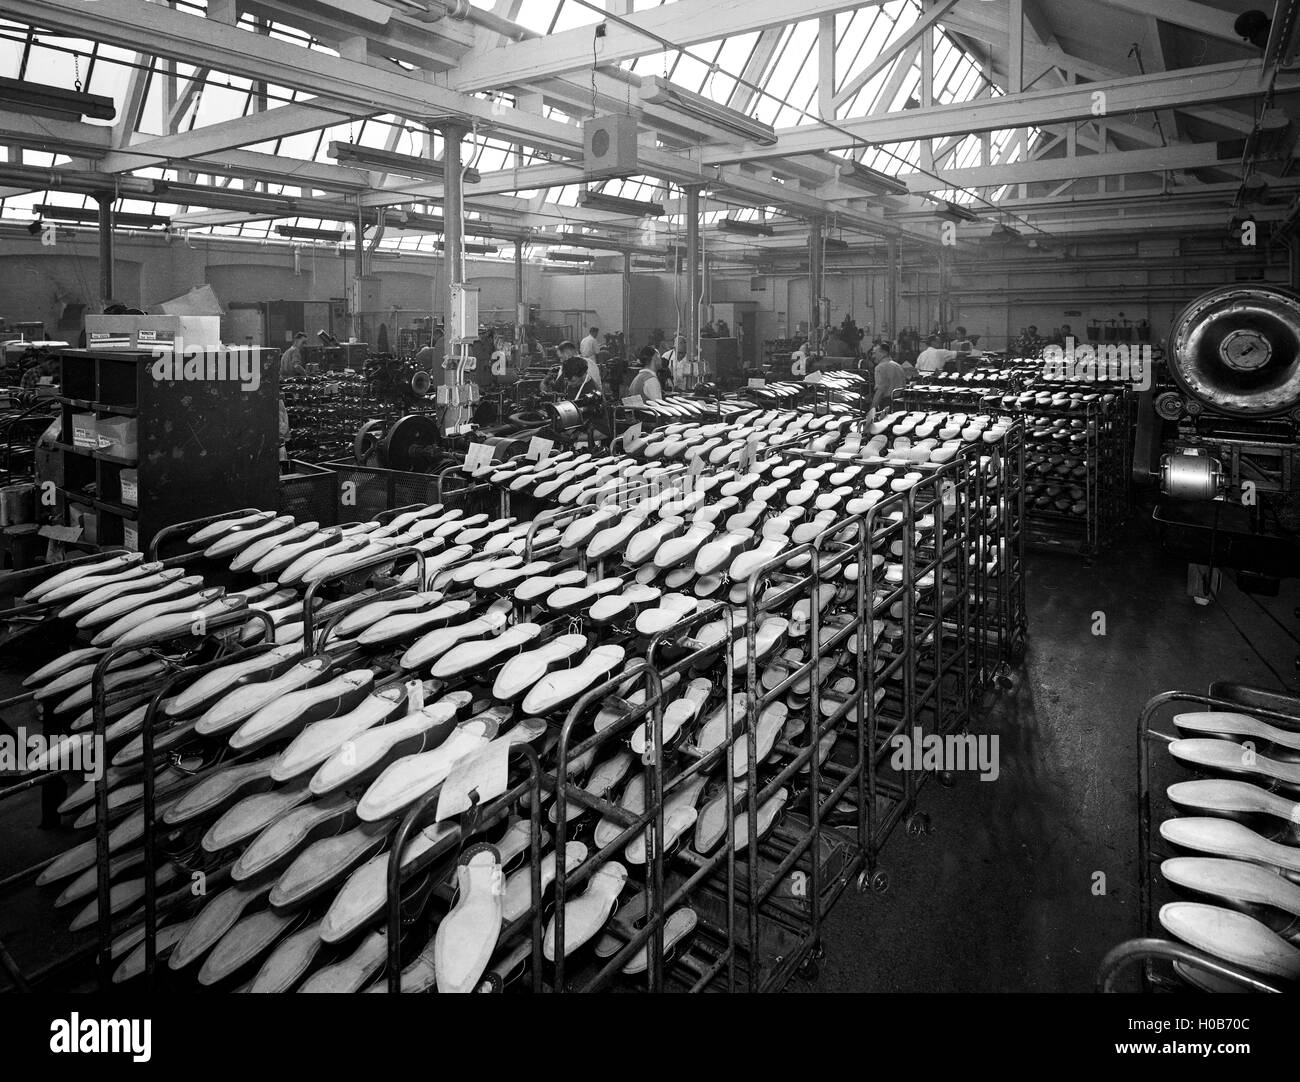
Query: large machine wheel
[(1236, 350), (406, 446), (366, 445)]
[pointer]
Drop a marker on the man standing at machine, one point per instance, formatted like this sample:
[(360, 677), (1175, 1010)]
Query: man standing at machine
[(291, 364), (933, 358), (291, 360), (889, 375), (573, 378), (645, 383), (588, 349)]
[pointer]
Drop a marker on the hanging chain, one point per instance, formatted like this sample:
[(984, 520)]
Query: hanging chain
[(76, 71)]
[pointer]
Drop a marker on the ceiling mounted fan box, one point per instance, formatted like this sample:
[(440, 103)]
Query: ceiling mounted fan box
[(609, 146)]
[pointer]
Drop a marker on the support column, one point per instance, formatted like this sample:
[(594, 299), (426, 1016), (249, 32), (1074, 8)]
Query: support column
[(815, 284), (693, 269), (944, 290), (453, 238), (105, 201), (521, 312), (628, 351), (519, 281), (359, 273), (891, 288)]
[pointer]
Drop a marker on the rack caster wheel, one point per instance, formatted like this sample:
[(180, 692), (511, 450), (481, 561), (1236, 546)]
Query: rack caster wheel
[(918, 824), (876, 882), (810, 970), (947, 778)]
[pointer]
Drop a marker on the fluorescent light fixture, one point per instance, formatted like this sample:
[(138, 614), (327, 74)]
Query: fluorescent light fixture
[(55, 102), (301, 232), (1004, 232), (750, 229), (387, 161), (648, 265), (207, 195), (410, 220), (570, 257), (472, 249), (835, 244), (617, 204), (659, 91), (955, 212), (871, 180), (124, 219)]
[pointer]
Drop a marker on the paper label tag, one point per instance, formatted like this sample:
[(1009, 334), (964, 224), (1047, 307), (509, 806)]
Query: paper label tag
[(813, 377), (539, 449), (485, 772), (948, 497), (632, 433), (477, 457), (696, 466), (414, 696), (748, 455), (634, 401), (755, 383)]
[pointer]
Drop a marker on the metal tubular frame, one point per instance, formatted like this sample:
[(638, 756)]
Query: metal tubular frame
[(99, 708), (1145, 949), (1145, 734), (489, 815)]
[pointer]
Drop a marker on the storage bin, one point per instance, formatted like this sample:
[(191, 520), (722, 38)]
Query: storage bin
[(130, 481), (117, 436), (85, 431)]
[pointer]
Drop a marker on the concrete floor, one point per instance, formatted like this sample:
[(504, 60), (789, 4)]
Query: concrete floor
[(999, 897)]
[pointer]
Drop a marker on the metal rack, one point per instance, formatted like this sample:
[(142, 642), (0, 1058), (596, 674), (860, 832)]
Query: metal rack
[(1102, 475), (1282, 711), (759, 910)]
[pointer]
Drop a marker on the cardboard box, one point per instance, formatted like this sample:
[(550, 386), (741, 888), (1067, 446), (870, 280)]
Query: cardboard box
[(117, 436), (85, 431), (130, 481)]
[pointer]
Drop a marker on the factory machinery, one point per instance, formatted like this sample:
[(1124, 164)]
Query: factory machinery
[(1227, 418), (591, 720)]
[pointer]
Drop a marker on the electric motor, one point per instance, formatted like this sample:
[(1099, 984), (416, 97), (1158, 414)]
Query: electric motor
[(1187, 476)]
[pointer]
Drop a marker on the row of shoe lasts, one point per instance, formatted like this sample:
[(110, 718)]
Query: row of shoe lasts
[(683, 406), (1239, 846), (291, 694)]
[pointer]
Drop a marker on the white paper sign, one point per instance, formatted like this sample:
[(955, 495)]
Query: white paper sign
[(485, 772), (634, 401), (632, 433), (813, 377), (756, 383), (539, 449), (948, 497), (477, 457)]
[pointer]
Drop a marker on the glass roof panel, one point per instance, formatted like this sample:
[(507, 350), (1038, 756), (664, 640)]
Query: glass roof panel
[(788, 76)]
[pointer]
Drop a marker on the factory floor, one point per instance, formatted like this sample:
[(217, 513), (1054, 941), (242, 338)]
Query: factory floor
[(1000, 895)]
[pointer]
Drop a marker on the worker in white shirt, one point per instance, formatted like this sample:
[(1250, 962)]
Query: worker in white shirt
[(932, 358), (587, 350), (676, 358)]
